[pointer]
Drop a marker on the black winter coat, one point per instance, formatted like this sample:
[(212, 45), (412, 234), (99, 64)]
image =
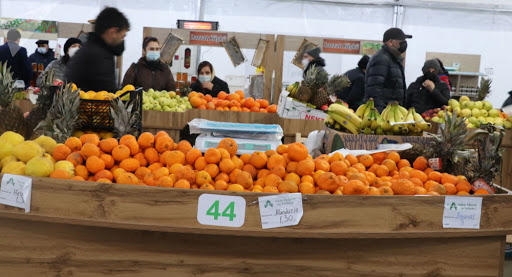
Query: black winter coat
[(318, 62), (93, 66), (218, 86), (422, 99), (385, 79), (508, 101), (155, 75), (18, 63), (353, 95), (39, 58)]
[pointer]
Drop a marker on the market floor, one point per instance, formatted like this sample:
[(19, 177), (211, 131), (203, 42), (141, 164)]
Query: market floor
[(508, 268)]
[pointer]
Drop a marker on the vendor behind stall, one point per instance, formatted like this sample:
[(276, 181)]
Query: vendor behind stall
[(59, 66), (149, 71), (207, 82)]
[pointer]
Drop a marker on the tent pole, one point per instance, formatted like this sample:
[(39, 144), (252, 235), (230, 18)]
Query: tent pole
[(199, 16)]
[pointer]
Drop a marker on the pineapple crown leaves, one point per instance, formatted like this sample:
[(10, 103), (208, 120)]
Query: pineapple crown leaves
[(125, 117), (7, 90), (485, 88), (316, 77), (337, 82)]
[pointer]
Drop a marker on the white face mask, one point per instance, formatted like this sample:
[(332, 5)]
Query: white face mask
[(205, 78), (42, 50), (305, 62), (72, 51), (152, 55)]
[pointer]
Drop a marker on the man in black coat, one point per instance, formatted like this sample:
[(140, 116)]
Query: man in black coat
[(385, 79), (16, 57), (353, 95), (428, 91), (93, 66)]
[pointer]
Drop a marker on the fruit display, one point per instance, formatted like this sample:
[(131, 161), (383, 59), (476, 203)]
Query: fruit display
[(475, 113), (103, 95), (230, 102), (167, 101), (394, 120)]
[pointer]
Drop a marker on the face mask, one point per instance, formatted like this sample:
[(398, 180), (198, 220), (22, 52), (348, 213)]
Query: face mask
[(430, 76), (152, 55), (72, 51), (305, 62), (403, 46), (42, 50), (118, 49), (204, 78)]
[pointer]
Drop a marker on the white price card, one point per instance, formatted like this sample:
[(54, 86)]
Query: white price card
[(221, 210), (280, 210), (16, 190), (462, 212)]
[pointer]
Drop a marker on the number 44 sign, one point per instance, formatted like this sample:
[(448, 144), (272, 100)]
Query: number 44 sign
[(221, 210)]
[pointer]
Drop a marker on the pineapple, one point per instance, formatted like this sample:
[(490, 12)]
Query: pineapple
[(316, 77), (485, 88), (336, 83), (126, 117), (62, 117), (12, 116)]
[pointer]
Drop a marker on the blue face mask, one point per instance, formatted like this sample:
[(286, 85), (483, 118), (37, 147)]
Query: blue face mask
[(152, 55), (204, 78), (42, 50)]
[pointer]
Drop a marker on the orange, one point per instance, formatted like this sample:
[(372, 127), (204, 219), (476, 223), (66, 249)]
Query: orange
[(403, 163), (272, 180), (186, 173), (227, 165), (386, 190), (212, 169), (151, 155), (182, 184), (60, 174), (420, 163), (82, 171), (291, 166), (305, 167), (140, 157), (229, 144), (90, 138), (288, 186), (160, 172), (60, 152), (339, 167), (94, 164), (390, 164), (235, 187), (74, 143), (104, 174), (450, 188), (379, 157), (108, 160), (200, 163), (464, 186), (293, 177), (415, 173), (394, 156), (251, 169), (359, 166), (297, 152), (327, 181), (271, 189), (366, 160), (449, 178), (221, 185), (373, 191), (351, 159), (192, 155), (381, 171), (403, 187), (131, 142), (89, 149), (120, 152), (172, 157), (306, 188), (282, 148), (245, 179), (322, 164), (164, 143), (212, 155), (183, 146), (276, 160), (106, 145), (420, 190), (203, 177), (435, 176), (480, 191), (165, 181), (355, 187), (129, 164), (279, 171), (258, 159), (146, 140), (336, 156), (142, 171), (438, 188)]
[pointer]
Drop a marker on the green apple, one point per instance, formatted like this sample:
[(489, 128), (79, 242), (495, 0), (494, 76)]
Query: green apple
[(484, 113), (494, 112), (457, 111), (465, 112), (464, 98), (487, 105), (475, 112), (482, 120), (478, 105), (498, 121), (474, 121), (507, 124), (453, 103)]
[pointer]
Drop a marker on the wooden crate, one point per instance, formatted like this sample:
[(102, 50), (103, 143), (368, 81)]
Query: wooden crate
[(91, 229)]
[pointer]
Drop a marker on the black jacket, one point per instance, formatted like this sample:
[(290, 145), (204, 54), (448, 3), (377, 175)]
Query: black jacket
[(39, 58), (385, 79), (422, 99), (155, 75), (20, 68), (318, 62), (508, 101), (353, 95), (93, 66), (218, 86)]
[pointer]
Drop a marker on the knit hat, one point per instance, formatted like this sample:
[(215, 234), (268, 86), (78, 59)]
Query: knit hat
[(315, 52), (363, 62), (70, 42), (42, 41), (431, 64)]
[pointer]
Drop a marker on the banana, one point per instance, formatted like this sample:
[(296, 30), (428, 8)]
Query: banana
[(328, 120), (344, 122), (345, 113), (361, 109), (370, 105), (374, 119), (385, 112), (410, 115), (403, 111)]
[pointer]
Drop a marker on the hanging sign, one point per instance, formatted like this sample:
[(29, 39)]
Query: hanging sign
[(207, 38), (29, 25), (343, 46)]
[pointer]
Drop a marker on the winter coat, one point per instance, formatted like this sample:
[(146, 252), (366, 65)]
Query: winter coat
[(385, 79), (318, 62), (93, 66), (508, 101), (18, 63), (422, 99), (148, 75), (44, 59), (59, 70), (446, 79), (218, 86), (353, 95)]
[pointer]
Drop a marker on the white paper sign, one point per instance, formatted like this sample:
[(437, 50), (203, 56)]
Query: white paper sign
[(221, 210), (16, 190), (280, 210), (462, 212)]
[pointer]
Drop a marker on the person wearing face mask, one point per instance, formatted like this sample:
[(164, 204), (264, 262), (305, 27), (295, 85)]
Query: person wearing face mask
[(59, 66), (93, 67), (40, 59), (385, 78), (428, 91), (16, 57), (149, 71), (312, 57), (207, 82)]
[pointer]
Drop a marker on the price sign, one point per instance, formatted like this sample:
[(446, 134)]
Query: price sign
[(280, 210), (16, 191), (462, 212), (221, 210)]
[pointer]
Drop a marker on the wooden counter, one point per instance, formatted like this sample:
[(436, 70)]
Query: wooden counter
[(89, 229)]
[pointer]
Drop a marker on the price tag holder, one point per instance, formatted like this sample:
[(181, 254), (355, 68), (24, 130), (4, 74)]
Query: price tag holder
[(462, 212), (221, 210), (280, 210), (16, 191)]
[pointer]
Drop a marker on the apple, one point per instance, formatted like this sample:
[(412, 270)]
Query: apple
[(494, 112), (478, 105), (475, 112), (467, 105), (464, 98), (453, 103)]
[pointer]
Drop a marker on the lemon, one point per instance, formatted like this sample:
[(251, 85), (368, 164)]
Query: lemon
[(39, 167), (66, 166), (47, 143), (12, 138), (17, 168), (27, 150)]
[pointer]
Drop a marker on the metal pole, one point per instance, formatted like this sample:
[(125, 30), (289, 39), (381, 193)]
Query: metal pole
[(199, 16)]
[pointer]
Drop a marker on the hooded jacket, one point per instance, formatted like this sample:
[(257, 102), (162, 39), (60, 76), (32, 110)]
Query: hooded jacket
[(155, 75), (385, 79), (423, 100), (318, 62), (18, 62)]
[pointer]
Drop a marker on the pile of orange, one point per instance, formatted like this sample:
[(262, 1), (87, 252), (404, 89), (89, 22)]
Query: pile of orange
[(156, 160), (230, 102)]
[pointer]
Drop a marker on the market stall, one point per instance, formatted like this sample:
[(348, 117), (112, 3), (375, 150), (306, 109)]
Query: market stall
[(118, 230)]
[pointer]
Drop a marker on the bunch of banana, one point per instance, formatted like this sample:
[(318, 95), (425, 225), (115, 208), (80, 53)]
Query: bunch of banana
[(293, 88), (400, 121), (341, 117), (364, 109)]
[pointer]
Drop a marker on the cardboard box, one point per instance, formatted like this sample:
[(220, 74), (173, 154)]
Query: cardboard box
[(334, 140), (288, 107)]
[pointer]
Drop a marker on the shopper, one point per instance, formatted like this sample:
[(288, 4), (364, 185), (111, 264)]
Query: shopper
[(353, 95), (16, 57), (508, 101), (59, 66), (42, 56), (428, 91), (149, 71), (93, 67), (207, 82), (444, 76), (385, 79), (312, 57)]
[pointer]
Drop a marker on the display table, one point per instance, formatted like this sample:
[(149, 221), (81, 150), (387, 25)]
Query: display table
[(89, 229)]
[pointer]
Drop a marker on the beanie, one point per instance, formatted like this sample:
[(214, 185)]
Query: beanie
[(431, 64), (70, 42), (363, 62), (315, 52)]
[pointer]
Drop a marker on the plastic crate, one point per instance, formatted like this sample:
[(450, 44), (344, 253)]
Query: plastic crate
[(95, 114)]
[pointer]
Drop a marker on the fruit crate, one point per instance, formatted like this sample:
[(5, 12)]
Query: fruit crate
[(95, 114)]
